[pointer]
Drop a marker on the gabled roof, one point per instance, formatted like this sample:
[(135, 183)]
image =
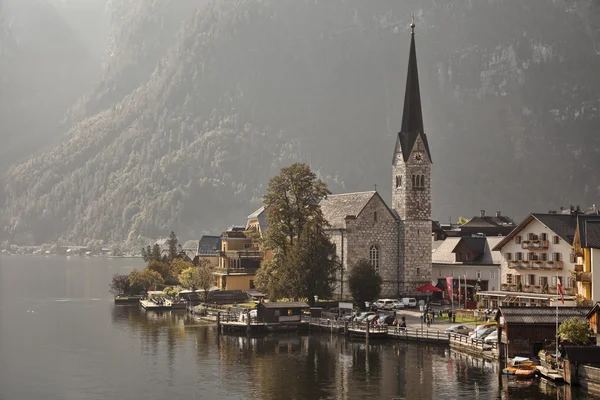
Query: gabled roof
[(412, 115), (582, 354), (208, 245), (589, 231), (443, 253), (336, 207), (563, 225), (489, 222), (261, 216), (291, 304), (594, 310), (539, 315)]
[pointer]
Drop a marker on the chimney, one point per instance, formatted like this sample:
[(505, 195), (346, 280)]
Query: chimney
[(482, 213), (498, 214)]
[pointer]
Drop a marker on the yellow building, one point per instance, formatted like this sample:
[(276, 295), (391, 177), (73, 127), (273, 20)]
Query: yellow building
[(586, 248), (208, 251), (238, 261)]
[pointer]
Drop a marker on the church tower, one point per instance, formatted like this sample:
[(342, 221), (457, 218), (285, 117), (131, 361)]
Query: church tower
[(411, 190)]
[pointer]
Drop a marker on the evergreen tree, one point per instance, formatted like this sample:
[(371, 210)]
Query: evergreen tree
[(173, 250), (364, 282)]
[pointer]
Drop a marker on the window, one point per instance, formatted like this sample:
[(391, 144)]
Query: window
[(375, 216), (414, 181), (543, 281), (572, 258), (252, 284), (398, 180), (543, 236), (418, 271), (531, 236), (509, 278), (556, 257), (439, 272), (569, 282), (519, 256), (509, 256), (374, 257), (492, 275), (422, 181), (531, 280), (418, 181), (247, 245), (553, 280), (477, 274), (544, 256), (556, 239), (518, 279), (518, 239)]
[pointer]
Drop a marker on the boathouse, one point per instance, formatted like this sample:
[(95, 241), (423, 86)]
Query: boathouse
[(594, 320), (527, 330), (283, 312)]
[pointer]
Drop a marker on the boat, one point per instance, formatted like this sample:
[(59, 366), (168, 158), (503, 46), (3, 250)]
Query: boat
[(520, 367), (127, 299)]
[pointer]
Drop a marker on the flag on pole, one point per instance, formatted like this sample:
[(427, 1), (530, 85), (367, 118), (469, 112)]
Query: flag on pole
[(560, 291), (449, 286)]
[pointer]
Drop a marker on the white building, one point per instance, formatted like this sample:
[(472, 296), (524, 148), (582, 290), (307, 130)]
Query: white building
[(537, 253), (470, 256)]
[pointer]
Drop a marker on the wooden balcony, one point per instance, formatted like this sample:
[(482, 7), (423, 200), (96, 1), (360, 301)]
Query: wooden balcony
[(584, 277), (579, 268), (242, 254), (534, 244)]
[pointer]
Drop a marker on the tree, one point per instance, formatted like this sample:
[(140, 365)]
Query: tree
[(178, 265), (291, 200), (575, 330), (160, 267), (462, 220), (195, 278), (146, 253), (120, 284), (172, 243), (142, 280), (156, 253), (364, 282), (304, 262)]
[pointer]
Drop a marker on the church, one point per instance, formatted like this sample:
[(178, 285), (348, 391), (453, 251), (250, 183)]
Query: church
[(397, 239)]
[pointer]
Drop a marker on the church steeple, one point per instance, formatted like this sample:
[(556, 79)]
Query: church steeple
[(412, 116)]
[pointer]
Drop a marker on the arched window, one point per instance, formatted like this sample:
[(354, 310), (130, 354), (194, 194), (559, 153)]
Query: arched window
[(398, 180), (375, 216), (422, 181), (374, 257), (414, 181)]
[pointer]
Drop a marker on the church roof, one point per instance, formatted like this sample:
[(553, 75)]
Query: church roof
[(336, 207), (412, 116)]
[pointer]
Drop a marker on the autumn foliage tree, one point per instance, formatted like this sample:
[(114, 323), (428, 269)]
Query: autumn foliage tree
[(304, 261)]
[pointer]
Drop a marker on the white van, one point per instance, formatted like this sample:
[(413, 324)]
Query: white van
[(410, 302)]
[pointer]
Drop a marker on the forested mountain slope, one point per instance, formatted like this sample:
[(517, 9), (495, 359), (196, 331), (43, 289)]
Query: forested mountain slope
[(44, 68), (509, 91)]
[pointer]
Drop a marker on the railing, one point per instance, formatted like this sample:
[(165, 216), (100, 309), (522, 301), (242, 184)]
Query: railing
[(584, 277), (578, 267), (479, 344)]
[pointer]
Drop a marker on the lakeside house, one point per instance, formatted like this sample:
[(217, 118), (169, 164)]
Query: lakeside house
[(527, 330)]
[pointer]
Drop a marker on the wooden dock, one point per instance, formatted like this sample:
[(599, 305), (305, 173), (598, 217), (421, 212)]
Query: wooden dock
[(229, 322), (551, 374), (166, 305)]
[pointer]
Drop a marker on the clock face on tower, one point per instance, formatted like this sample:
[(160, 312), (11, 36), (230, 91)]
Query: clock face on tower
[(418, 157)]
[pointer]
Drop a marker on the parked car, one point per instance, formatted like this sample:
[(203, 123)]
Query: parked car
[(360, 317), (398, 304), (459, 329), (386, 320), (491, 338), (385, 304), (410, 302), (480, 328), (482, 333)]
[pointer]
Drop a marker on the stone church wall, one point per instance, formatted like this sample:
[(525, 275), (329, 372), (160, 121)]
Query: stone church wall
[(364, 232)]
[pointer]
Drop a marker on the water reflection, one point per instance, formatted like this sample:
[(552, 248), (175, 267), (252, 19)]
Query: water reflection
[(324, 365)]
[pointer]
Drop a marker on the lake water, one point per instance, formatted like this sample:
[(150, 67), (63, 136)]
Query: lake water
[(61, 337)]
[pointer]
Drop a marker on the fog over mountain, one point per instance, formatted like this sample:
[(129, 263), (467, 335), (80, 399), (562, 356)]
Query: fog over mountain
[(199, 103)]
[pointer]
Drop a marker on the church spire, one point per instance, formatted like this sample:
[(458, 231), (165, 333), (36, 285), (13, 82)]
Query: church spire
[(412, 118)]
